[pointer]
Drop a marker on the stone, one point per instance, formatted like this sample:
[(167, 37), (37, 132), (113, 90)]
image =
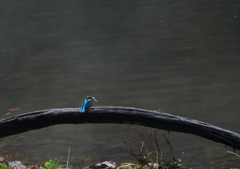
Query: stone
[(104, 165)]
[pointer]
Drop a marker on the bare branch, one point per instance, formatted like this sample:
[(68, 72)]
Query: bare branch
[(44, 118)]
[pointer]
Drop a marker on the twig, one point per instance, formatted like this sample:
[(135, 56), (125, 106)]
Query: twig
[(86, 161), (68, 154), (170, 146), (234, 154)]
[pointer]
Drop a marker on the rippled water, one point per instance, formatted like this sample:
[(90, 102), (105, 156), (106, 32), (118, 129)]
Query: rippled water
[(178, 56)]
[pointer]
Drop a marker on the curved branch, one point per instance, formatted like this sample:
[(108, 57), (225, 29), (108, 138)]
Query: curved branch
[(122, 115)]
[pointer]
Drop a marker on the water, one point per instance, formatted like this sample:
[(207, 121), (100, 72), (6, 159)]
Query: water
[(178, 56)]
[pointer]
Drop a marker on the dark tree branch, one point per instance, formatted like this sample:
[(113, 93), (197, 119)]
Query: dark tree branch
[(122, 115)]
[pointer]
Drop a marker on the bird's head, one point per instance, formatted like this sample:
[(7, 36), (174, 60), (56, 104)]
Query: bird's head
[(91, 97)]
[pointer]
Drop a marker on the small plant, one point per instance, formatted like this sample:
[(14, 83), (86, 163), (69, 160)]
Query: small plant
[(149, 155), (4, 166), (51, 164), (55, 164)]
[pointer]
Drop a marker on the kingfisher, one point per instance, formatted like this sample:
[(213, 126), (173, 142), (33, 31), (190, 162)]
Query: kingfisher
[(87, 103)]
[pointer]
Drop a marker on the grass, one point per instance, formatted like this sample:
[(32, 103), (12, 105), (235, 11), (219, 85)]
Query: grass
[(4, 166), (53, 164), (148, 155)]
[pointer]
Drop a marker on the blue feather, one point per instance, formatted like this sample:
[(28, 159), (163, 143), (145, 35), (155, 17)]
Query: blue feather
[(86, 105)]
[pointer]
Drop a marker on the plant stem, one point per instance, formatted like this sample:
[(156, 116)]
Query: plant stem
[(68, 154)]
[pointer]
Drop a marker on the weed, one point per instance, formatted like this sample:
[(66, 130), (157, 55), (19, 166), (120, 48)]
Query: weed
[(3, 166), (51, 164), (149, 155), (55, 164)]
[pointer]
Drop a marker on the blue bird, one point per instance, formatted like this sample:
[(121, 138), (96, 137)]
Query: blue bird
[(87, 103)]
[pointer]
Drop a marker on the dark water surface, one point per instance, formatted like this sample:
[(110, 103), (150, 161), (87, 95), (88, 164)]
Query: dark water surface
[(178, 56)]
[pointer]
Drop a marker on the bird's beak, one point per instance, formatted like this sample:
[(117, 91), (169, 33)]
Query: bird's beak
[(94, 99)]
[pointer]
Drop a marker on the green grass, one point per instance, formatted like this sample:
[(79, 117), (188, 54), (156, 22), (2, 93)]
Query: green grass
[(55, 164), (4, 166)]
